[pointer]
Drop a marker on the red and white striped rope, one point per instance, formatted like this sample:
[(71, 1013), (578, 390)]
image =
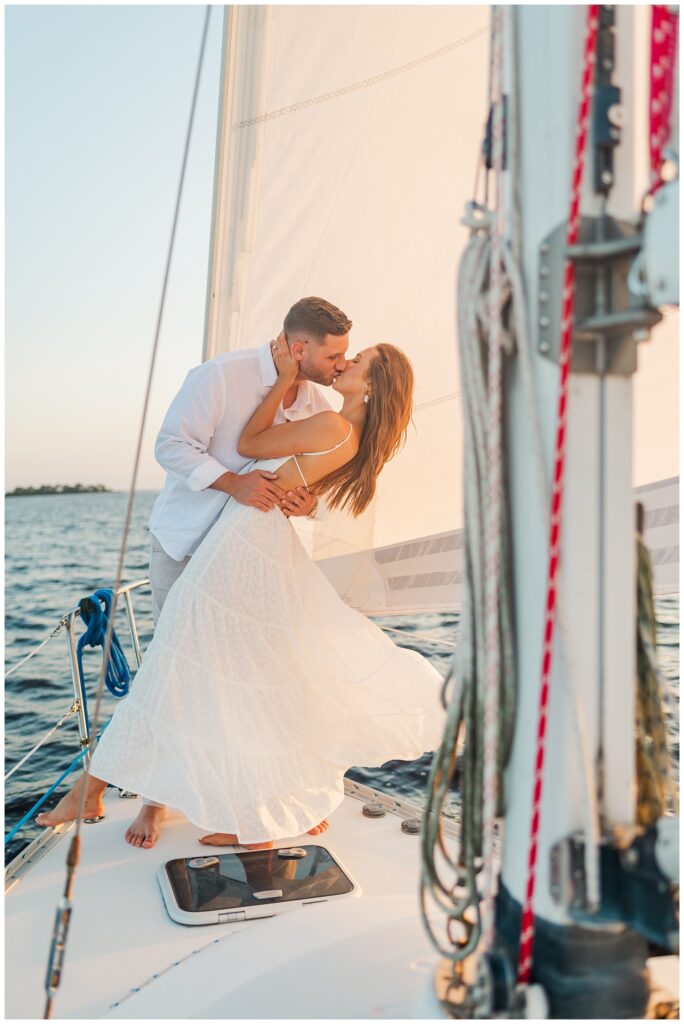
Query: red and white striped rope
[(527, 923), (664, 32), (492, 670)]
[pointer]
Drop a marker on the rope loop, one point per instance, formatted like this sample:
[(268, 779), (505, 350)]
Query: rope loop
[(96, 620)]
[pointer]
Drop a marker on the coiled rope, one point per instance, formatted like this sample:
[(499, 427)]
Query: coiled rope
[(96, 618), (481, 707)]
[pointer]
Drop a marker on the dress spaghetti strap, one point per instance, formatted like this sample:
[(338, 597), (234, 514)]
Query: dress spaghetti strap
[(326, 452), (334, 448)]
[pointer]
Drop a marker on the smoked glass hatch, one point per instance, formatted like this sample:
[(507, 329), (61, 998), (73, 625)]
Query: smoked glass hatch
[(231, 881)]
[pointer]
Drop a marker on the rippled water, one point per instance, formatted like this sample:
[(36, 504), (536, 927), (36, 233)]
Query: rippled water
[(59, 549)]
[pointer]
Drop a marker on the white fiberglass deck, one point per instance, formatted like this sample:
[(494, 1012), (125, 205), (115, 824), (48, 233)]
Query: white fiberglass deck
[(355, 957)]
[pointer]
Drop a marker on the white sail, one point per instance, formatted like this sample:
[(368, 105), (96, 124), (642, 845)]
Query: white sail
[(348, 148)]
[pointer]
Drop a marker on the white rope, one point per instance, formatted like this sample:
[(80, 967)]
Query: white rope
[(366, 83), (492, 665), (72, 710)]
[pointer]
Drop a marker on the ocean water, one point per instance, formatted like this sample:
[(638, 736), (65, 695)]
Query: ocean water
[(61, 548)]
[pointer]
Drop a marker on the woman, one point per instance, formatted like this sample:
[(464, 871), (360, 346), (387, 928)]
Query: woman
[(261, 687)]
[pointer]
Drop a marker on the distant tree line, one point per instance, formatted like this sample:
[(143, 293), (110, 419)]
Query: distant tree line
[(22, 492)]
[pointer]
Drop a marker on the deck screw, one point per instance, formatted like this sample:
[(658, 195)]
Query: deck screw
[(544, 322), (544, 347)]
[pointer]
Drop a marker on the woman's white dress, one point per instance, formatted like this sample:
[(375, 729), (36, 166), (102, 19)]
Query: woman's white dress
[(261, 688)]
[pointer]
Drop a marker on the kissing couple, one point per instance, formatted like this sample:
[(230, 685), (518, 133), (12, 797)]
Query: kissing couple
[(261, 687)]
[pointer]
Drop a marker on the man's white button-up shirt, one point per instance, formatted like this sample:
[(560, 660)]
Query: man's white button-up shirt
[(198, 441)]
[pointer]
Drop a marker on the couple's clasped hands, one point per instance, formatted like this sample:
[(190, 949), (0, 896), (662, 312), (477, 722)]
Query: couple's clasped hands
[(259, 488)]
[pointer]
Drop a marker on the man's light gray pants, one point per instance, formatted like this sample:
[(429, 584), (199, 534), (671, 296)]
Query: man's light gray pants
[(164, 571)]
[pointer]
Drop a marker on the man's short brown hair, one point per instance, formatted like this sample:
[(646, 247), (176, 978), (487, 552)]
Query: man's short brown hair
[(316, 317)]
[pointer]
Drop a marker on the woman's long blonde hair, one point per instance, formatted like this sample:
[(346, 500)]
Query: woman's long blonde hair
[(388, 414)]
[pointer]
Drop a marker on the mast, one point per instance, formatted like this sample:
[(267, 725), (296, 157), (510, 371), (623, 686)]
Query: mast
[(592, 691), (583, 889)]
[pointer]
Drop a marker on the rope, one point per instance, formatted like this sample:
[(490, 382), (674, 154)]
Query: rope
[(118, 674), (655, 781), (366, 83), (527, 922), (39, 803), (664, 32), (453, 884), (72, 710), (494, 499), (55, 632), (59, 938)]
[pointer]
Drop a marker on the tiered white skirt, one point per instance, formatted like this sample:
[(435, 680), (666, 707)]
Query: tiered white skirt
[(261, 688)]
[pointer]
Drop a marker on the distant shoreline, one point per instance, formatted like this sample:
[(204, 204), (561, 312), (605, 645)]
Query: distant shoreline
[(32, 492)]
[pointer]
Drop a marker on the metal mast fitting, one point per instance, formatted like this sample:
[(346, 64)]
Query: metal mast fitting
[(605, 308), (609, 319)]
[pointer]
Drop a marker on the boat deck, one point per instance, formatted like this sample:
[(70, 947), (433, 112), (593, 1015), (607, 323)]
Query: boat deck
[(355, 957)]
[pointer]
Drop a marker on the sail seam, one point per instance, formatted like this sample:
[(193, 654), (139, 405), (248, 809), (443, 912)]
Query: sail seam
[(365, 83)]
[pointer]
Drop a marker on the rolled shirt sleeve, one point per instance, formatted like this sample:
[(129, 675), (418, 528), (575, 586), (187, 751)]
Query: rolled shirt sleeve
[(189, 425)]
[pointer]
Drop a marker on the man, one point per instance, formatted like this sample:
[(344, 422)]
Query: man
[(197, 446)]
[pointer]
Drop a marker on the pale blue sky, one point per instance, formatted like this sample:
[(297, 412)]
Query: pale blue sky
[(97, 102)]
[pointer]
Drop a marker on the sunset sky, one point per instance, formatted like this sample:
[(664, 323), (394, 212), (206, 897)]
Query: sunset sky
[(97, 106), (97, 100)]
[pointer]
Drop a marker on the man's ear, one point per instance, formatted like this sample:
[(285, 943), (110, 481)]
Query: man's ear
[(297, 350)]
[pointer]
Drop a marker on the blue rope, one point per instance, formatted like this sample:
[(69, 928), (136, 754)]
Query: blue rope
[(39, 803), (96, 619), (53, 787)]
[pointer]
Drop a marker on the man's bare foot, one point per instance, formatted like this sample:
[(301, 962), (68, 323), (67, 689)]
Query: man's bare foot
[(228, 839), (317, 829), (67, 808), (144, 829)]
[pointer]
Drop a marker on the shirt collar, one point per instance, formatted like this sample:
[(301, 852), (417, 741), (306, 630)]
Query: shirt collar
[(305, 395), (267, 366)]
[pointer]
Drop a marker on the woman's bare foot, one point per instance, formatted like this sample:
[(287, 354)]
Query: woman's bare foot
[(317, 829), (228, 839), (67, 808), (144, 829)]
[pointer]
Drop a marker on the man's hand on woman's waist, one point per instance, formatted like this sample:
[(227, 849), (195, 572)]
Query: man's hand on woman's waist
[(256, 488)]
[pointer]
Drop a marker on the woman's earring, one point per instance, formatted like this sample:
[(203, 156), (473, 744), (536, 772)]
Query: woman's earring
[(366, 397)]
